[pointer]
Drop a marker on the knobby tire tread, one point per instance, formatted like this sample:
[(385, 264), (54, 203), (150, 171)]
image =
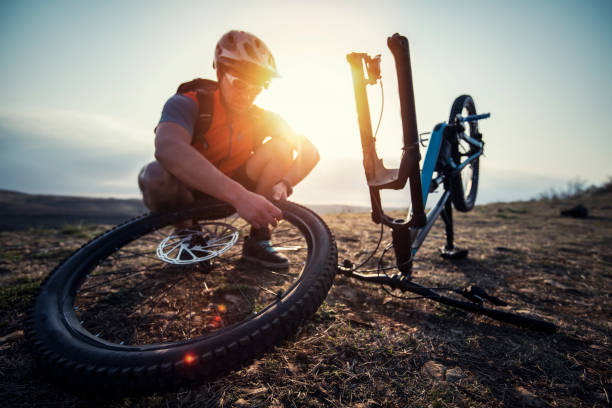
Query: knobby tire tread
[(82, 377)]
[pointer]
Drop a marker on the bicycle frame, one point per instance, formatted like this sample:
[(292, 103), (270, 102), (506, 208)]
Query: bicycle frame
[(409, 233), (434, 161)]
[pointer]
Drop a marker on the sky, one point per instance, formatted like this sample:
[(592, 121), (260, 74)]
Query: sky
[(83, 84)]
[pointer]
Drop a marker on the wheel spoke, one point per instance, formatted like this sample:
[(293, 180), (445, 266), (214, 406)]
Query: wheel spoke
[(236, 218), (282, 274), (288, 240), (268, 290), (278, 232), (251, 303), (157, 298), (131, 254), (112, 280), (98, 274), (81, 294), (190, 303), (214, 241)]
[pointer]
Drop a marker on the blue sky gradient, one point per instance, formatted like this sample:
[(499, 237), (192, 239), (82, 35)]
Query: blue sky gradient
[(83, 83)]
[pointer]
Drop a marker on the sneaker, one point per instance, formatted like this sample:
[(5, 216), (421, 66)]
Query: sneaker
[(263, 253)]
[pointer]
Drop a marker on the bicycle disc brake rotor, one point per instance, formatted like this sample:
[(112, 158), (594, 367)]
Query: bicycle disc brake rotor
[(198, 243)]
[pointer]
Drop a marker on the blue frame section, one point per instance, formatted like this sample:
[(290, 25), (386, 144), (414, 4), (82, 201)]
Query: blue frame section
[(431, 158), (472, 118), (429, 166)]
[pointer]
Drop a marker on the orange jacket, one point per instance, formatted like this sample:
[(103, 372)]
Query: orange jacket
[(230, 142)]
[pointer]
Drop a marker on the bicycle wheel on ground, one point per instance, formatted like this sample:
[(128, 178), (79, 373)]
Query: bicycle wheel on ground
[(143, 308), (464, 184)]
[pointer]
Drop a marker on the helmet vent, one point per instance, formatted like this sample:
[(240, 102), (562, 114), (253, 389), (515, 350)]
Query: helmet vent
[(250, 52), (230, 44)]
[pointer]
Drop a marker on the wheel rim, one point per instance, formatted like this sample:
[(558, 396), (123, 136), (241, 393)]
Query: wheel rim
[(466, 150), (144, 294), (467, 172)]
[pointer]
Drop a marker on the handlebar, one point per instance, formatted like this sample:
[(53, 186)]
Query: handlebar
[(473, 118)]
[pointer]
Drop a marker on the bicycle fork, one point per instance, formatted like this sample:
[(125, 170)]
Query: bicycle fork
[(377, 175)]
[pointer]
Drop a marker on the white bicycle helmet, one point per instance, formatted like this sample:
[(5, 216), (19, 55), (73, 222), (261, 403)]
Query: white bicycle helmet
[(246, 54)]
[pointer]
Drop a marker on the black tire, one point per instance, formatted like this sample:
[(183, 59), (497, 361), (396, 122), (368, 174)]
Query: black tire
[(95, 326), (464, 185)]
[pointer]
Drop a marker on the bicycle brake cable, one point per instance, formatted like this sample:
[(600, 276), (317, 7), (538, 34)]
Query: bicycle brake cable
[(380, 268), (349, 264)]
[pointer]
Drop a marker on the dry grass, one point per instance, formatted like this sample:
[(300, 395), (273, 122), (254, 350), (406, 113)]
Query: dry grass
[(365, 348)]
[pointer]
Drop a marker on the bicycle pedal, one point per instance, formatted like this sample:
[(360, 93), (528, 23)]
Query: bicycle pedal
[(478, 295), (471, 296), (478, 291), (453, 253)]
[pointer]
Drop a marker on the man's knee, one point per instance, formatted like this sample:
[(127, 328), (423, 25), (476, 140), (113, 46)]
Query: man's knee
[(282, 149), (160, 189), (278, 151), (154, 177), (274, 155)]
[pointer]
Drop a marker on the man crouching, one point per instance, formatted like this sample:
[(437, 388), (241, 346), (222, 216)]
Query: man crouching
[(212, 140)]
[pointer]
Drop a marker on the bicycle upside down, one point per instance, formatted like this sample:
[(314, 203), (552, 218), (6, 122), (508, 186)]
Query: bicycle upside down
[(149, 306), (451, 162)]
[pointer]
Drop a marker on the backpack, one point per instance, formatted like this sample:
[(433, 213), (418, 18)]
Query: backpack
[(205, 91)]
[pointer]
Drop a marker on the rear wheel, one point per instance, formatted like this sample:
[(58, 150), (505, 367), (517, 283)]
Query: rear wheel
[(464, 184), (142, 307)]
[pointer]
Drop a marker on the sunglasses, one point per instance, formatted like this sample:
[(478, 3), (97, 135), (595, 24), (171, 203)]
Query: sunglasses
[(243, 86)]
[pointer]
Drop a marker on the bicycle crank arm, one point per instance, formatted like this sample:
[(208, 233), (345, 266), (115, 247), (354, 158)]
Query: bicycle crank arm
[(477, 295), (397, 282)]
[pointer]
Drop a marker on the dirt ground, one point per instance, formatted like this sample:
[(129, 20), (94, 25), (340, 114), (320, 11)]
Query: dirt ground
[(365, 347)]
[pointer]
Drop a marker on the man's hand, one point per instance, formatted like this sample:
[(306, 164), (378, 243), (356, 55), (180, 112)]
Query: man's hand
[(279, 191), (257, 210)]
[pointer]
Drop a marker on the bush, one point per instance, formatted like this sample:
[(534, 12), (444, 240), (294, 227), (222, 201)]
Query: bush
[(606, 187), (575, 188)]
